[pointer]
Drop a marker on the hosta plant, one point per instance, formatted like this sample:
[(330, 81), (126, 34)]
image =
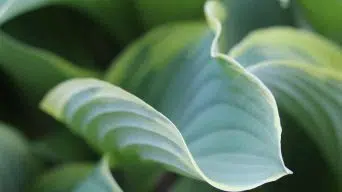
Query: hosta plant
[(187, 101)]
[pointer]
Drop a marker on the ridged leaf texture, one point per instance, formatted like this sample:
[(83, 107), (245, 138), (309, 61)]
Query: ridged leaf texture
[(199, 113), (304, 72)]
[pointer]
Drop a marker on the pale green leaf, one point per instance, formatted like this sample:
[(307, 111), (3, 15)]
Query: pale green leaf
[(304, 73), (285, 43), (228, 126), (17, 165), (100, 180)]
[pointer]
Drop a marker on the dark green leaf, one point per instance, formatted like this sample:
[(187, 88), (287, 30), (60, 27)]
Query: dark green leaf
[(34, 70), (120, 23), (56, 148), (63, 178), (324, 16)]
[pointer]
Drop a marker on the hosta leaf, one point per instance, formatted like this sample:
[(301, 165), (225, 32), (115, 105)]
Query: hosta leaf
[(102, 108), (241, 17), (34, 70), (304, 72), (16, 163), (294, 44), (62, 178), (228, 128), (76, 177), (99, 180)]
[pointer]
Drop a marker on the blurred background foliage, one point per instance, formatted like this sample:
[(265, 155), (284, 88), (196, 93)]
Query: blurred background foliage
[(44, 45)]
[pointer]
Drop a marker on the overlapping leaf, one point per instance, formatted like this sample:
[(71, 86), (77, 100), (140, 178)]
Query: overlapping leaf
[(76, 177), (99, 180), (62, 178), (304, 72), (225, 127), (16, 163), (241, 17)]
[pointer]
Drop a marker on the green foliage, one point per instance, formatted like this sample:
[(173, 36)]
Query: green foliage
[(62, 178), (17, 164), (184, 105), (324, 16)]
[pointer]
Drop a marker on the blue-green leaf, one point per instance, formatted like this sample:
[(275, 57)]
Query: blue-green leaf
[(99, 180), (304, 72), (211, 119), (227, 121)]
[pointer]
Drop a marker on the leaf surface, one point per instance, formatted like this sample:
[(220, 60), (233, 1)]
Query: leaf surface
[(325, 17), (238, 18), (62, 177), (17, 165), (304, 72), (220, 124), (99, 180)]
